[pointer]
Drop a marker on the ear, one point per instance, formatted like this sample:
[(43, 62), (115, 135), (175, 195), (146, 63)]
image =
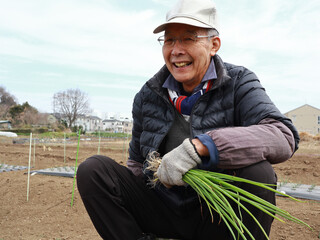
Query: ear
[(216, 43)]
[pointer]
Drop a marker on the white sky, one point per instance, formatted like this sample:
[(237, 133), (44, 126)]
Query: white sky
[(106, 48)]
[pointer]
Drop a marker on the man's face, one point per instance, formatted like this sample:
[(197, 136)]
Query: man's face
[(188, 63)]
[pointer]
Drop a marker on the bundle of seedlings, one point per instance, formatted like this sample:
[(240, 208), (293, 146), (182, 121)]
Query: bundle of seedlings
[(217, 190)]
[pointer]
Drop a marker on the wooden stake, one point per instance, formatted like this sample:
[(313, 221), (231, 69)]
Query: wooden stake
[(75, 169), (28, 184), (99, 144), (34, 152), (127, 147), (64, 147)]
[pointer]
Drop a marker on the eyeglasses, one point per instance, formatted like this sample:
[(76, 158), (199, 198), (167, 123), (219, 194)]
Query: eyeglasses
[(185, 41)]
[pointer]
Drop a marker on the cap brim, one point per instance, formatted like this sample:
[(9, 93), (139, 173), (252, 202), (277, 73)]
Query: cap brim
[(182, 20)]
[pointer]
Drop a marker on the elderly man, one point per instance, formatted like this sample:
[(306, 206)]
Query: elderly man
[(197, 112)]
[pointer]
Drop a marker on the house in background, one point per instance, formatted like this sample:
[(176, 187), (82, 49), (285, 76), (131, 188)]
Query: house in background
[(51, 119), (122, 125), (306, 119), (89, 123), (5, 124), (94, 123)]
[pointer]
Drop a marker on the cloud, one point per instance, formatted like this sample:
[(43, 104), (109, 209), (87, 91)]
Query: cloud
[(166, 3), (112, 104), (275, 26), (50, 74), (93, 35), (115, 85), (285, 28), (109, 49), (278, 40)]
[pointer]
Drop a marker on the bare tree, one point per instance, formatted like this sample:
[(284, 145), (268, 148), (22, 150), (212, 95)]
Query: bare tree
[(70, 104)]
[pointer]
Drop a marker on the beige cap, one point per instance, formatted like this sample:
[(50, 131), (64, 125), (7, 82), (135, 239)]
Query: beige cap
[(199, 13)]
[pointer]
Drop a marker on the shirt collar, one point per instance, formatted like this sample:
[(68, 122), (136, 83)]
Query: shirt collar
[(173, 84)]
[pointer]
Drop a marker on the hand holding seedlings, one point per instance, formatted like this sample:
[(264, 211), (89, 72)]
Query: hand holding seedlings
[(218, 191), (177, 162)]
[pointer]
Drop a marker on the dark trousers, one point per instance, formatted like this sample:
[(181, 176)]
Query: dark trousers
[(121, 205)]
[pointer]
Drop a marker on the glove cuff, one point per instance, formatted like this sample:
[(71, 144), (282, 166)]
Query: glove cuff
[(194, 147), (191, 150)]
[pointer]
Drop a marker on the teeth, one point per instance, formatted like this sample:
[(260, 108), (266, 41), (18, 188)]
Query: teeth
[(181, 64)]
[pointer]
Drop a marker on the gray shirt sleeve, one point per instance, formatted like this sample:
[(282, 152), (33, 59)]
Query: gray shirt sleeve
[(238, 147), (135, 167)]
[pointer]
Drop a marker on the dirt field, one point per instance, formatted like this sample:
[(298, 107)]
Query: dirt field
[(49, 215)]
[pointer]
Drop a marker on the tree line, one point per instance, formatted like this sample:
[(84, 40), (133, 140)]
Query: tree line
[(68, 105)]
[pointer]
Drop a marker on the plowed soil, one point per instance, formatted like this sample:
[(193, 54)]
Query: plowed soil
[(48, 213)]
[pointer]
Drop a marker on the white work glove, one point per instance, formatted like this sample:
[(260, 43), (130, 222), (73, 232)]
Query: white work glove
[(177, 162)]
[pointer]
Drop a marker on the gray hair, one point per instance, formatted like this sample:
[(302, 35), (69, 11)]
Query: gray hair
[(213, 32)]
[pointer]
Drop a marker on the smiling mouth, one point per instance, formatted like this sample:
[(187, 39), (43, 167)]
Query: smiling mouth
[(182, 64)]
